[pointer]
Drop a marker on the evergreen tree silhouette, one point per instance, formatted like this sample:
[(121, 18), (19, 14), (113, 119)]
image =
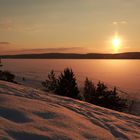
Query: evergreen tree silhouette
[(51, 82), (67, 85), (89, 91), (102, 96)]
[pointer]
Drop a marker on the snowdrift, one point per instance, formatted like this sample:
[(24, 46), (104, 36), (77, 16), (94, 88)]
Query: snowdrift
[(30, 114)]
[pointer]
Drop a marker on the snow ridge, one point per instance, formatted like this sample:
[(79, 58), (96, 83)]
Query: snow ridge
[(30, 114)]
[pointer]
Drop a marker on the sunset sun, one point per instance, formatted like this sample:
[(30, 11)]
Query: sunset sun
[(116, 43)]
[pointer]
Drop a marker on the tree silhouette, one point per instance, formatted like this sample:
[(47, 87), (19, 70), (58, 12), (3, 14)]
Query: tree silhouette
[(102, 96), (67, 85), (89, 91), (7, 76), (51, 83)]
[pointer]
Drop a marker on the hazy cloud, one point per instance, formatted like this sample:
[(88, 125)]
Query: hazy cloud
[(52, 50), (4, 46), (5, 43), (48, 50), (119, 22)]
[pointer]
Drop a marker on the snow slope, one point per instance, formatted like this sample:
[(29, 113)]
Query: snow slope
[(30, 114)]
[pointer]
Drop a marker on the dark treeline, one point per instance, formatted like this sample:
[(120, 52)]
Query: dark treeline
[(99, 94), (6, 75), (65, 85), (129, 55)]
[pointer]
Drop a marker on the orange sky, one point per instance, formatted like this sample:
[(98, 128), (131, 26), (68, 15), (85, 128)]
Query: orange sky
[(79, 26)]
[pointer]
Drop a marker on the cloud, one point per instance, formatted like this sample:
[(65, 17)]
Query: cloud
[(123, 22), (52, 50), (5, 43), (119, 22), (48, 50), (7, 47), (4, 46)]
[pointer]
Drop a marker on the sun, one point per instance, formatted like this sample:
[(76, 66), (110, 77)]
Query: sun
[(116, 42)]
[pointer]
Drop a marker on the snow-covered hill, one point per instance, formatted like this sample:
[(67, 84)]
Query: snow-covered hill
[(30, 114)]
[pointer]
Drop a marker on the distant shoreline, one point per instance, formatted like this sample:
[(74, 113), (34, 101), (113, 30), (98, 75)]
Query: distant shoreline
[(129, 55)]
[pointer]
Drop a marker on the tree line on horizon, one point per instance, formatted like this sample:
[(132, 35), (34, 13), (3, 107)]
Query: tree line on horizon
[(125, 55)]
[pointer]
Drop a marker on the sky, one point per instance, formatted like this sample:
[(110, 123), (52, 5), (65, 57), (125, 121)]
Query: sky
[(69, 26)]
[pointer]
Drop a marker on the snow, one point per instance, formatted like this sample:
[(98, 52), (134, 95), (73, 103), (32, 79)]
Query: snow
[(30, 114)]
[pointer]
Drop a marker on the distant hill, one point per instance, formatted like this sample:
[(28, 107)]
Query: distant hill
[(128, 55)]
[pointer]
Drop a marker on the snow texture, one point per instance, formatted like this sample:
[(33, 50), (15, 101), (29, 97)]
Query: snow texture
[(30, 114)]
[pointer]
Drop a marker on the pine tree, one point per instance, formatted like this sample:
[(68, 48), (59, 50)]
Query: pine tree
[(51, 82), (102, 96), (67, 85), (89, 91)]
